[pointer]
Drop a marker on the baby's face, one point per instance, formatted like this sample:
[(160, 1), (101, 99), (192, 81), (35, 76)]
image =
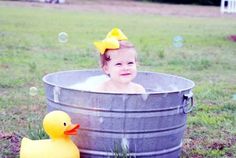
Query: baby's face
[(122, 66)]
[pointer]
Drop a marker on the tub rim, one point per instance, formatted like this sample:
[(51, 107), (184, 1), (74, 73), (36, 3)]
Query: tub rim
[(44, 79)]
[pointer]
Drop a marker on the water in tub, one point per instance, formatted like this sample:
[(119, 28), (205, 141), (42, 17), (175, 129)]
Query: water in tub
[(90, 83)]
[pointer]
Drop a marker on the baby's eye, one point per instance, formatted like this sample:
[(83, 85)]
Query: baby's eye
[(130, 63), (118, 64)]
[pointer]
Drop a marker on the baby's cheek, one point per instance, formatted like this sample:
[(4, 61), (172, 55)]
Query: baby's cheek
[(135, 68)]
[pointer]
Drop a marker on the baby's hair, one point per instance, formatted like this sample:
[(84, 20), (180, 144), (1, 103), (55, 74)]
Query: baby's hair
[(104, 58)]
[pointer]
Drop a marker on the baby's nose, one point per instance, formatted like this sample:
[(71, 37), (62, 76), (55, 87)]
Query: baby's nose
[(125, 67)]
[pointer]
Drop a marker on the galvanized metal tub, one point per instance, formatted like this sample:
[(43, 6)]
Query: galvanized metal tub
[(138, 125)]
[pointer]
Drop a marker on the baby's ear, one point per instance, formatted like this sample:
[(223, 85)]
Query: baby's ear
[(105, 69)]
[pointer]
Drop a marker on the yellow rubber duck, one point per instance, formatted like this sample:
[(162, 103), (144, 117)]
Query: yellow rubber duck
[(58, 126)]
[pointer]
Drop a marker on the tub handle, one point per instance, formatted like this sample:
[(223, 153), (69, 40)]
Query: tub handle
[(188, 103)]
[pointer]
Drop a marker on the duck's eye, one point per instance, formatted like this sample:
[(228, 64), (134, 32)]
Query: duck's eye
[(64, 124)]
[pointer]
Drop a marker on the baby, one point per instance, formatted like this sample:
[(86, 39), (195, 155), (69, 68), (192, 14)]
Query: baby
[(118, 60)]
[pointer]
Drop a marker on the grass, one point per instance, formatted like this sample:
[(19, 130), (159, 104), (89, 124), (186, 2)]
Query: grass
[(29, 49)]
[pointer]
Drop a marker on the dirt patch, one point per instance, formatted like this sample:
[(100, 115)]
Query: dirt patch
[(129, 7), (11, 144), (194, 145), (17, 120)]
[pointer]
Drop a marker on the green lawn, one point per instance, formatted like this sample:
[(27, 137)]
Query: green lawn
[(29, 49)]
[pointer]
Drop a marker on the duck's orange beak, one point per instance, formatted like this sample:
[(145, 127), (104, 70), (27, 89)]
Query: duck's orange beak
[(72, 129)]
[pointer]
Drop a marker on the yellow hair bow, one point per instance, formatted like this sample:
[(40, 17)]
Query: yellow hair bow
[(107, 43), (117, 33), (111, 41)]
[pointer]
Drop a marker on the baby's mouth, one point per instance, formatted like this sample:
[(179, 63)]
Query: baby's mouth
[(125, 74)]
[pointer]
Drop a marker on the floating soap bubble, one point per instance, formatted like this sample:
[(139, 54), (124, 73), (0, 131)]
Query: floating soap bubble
[(33, 91), (63, 37), (234, 96), (178, 41)]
